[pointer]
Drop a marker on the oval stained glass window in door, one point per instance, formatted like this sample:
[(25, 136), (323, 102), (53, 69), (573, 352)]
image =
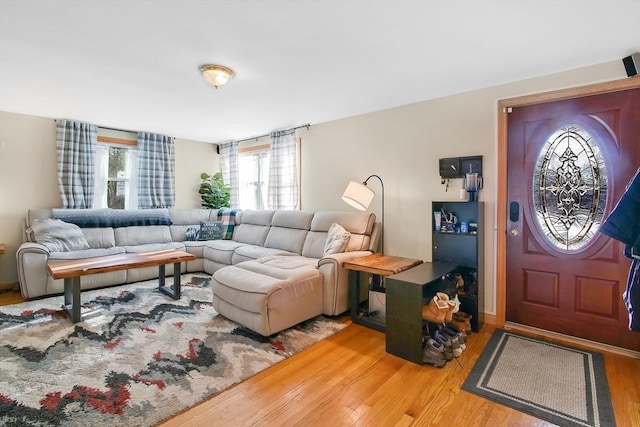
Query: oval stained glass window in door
[(569, 188)]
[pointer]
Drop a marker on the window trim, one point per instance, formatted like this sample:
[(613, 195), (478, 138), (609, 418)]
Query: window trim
[(106, 140)]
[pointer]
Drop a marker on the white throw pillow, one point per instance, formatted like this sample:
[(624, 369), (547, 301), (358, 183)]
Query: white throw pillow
[(58, 236), (337, 240)]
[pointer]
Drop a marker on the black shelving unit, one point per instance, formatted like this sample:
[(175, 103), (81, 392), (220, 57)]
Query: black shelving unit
[(466, 252)]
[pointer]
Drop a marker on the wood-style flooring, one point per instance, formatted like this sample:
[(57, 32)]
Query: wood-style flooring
[(349, 380)]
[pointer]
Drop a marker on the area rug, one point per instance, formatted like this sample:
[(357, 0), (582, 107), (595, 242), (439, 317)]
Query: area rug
[(137, 358), (562, 385)]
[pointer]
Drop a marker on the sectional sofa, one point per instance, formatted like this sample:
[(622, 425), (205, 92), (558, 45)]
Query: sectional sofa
[(271, 270)]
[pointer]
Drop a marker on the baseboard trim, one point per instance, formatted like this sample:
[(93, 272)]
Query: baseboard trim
[(516, 327), (8, 286), (489, 319)]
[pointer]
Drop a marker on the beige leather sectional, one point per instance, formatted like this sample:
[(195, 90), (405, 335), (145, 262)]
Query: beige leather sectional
[(272, 274)]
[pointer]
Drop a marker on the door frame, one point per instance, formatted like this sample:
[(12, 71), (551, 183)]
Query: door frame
[(503, 106)]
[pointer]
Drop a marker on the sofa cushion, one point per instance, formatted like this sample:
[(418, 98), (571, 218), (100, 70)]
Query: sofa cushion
[(183, 216), (251, 234), (142, 235), (100, 237), (196, 248), (288, 230), (250, 285), (251, 252), (292, 219), (359, 224), (288, 239), (221, 251), (337, 240), (58, 236)]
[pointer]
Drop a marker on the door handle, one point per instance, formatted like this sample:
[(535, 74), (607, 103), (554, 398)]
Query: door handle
[(514, 232)]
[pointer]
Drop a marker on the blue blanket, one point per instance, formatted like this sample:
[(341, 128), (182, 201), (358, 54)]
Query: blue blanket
[(96, 218)]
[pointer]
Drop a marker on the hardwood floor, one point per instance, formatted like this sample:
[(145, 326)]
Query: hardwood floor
[(349, 380)]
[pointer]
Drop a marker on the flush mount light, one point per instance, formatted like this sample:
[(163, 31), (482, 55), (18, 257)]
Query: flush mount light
[(216, 75)]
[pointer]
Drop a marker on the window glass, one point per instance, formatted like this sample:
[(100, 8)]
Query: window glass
[(118, 179), (254, 179), (115, 177), (569, 188)]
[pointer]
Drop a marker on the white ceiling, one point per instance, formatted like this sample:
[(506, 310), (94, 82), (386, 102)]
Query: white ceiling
[(134, 64)]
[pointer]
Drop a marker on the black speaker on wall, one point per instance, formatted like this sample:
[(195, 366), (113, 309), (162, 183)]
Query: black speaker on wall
[(632, 64)]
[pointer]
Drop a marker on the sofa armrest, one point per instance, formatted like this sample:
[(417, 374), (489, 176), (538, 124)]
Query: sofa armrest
[(335, 281), (342, 257), (32, 261)]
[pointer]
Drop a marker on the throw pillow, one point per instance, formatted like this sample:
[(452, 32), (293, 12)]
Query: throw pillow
[(228, 218), (58, 236), (210, 230), (337, 240), (192, 234)]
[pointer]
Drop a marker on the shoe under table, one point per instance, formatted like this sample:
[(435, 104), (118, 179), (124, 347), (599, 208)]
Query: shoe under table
[(269, 294)]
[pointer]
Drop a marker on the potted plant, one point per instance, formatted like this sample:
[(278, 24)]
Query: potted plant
[(213, 192)]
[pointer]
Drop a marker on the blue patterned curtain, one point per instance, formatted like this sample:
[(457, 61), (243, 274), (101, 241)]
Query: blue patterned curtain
[(156, 171), (230, 170), (283, 171), (75, 142)]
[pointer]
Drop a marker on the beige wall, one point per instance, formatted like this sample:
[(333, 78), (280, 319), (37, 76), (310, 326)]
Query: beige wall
[(402, 145), (28, 177)]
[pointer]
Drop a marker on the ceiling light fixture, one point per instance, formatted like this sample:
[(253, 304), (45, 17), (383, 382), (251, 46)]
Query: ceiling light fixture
[(216, 75)]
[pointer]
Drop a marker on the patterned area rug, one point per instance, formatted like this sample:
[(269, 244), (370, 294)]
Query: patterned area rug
[(137, 358), (562, 385)]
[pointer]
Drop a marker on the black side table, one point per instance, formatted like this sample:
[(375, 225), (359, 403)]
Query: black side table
[(382, 265), (407, 292)]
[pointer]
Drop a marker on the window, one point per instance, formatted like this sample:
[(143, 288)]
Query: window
[(253, 165), (115, 179), (570, 188), (253, 175)]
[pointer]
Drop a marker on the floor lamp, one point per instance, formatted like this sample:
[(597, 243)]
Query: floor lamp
[(360, 196)]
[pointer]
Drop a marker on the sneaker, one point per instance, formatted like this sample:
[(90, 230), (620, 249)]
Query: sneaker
[(455, 339), (446, 343), (433, 354), (452, 330)]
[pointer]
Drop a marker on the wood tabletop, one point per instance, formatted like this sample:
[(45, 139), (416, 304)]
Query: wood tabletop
[(383, 265), (84, 266)]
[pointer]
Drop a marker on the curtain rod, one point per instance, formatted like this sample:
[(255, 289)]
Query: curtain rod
[(118, 130), (279, 130)]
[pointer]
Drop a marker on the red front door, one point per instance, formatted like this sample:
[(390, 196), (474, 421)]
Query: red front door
[(568, 164)]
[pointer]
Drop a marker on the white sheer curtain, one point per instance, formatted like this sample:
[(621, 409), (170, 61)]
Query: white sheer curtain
[(283, 171), (230, 170), (101, 158)]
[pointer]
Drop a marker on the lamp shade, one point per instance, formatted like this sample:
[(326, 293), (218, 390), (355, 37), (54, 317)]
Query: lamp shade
[(358, 195)]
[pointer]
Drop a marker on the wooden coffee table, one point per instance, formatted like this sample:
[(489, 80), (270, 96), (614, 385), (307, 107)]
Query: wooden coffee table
[(71, 271)]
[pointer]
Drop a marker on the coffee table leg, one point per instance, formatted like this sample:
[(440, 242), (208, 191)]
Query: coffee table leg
[(72, 297), (175, 292)]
